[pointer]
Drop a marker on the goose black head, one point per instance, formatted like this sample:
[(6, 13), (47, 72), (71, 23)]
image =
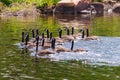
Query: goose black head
[(50, 35), (87, 32), (60, 32), (33, 33), (47, 31), (43, 35), (37, 32), (72, 30), (68, 31), (43, 42)]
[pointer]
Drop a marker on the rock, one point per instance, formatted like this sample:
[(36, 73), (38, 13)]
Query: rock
[(82, 5), (71, 6), (65, 7), (116, 8), (8, 13), (99, 7)]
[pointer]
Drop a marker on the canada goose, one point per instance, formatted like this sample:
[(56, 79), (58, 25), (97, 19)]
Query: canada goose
[(26, 39), (45, 45), (37, 32), (43, 35), (34, 36), (72, 31), (68, 31), (87, 32), (33, 33), (47, 32), (48, 40), (73, 34), (58, 48), (90, 37), (44, 52), (33, 39), (53, 43), (59, 41), (28, 43), (68, 38), (60, 32), (83, 34), (77, 50), (50, 35), (61, 49)]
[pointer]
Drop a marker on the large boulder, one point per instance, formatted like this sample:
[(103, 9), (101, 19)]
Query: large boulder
[(116, 8), (65, 7), (99, 7), (70, 6), (82, 5), (76, 6)]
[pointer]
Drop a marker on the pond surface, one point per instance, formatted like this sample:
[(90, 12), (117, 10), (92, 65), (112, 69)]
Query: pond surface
[(100, 62), (105, 51)]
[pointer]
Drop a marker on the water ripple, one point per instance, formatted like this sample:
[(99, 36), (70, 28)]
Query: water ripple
[(105, 51)]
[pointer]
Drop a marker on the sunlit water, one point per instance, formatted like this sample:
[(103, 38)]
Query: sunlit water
[(16, 65), (105, 51)]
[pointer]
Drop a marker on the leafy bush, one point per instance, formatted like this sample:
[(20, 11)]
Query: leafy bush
[(38, 2)]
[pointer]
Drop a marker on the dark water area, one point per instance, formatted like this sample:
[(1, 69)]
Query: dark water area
[(18, 64)]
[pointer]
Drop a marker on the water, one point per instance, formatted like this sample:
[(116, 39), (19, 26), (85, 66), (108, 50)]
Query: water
[(101, 60), (105, 51)]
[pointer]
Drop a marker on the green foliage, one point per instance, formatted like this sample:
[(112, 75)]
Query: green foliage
[(38, 2), (15, 5)]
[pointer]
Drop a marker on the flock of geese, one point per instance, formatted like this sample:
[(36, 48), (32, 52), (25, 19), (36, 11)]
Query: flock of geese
[(51, 45)]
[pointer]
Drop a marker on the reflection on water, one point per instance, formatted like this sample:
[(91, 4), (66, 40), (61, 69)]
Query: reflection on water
[(74, 21)]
